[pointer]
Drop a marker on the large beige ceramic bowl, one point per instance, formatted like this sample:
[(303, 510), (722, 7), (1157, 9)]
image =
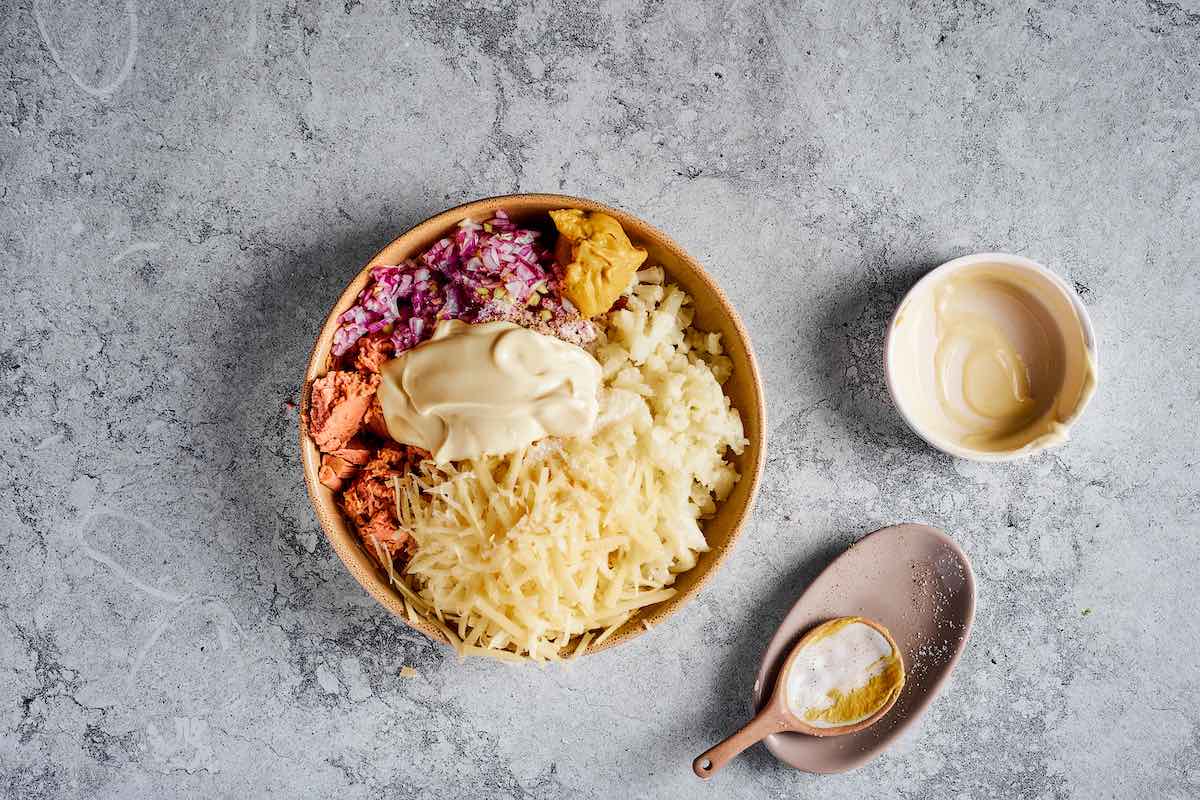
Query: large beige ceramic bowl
[(713, 313)]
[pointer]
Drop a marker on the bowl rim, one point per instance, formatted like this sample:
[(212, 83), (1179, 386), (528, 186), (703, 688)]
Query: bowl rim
[(1011, 260), (381, 590)]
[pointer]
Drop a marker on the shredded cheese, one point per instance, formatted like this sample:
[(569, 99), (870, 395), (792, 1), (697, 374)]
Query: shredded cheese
[(568, 540)]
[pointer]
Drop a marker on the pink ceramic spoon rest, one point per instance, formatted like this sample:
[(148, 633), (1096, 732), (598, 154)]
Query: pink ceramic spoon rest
[(916, 582)]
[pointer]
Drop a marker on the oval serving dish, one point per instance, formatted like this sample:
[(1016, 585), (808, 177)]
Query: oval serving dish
[(917, 582)]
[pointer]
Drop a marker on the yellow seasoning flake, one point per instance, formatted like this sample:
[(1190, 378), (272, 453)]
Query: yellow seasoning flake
[(407, 672), (845, 672)]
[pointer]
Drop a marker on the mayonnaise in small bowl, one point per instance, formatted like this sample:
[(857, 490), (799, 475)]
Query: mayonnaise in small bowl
[(991, 357)]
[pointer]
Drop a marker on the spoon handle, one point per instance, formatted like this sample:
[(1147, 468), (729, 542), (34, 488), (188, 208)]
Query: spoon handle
[(767, 722)]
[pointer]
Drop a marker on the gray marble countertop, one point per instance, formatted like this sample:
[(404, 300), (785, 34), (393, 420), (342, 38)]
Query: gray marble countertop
[(185, 187)]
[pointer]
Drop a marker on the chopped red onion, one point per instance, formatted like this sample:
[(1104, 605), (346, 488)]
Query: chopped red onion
[(484, 271)]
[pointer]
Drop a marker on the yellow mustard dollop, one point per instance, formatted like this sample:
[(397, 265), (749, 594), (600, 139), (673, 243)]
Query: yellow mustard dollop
[(599, 259)]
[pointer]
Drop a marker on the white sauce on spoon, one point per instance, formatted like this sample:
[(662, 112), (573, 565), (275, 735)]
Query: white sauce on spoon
[(836, 665)]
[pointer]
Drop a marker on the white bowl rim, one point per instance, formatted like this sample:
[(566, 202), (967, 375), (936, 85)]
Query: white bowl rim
[(1007, 259)]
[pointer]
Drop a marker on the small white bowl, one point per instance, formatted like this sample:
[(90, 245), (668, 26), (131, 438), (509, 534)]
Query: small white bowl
[(1051, 317)]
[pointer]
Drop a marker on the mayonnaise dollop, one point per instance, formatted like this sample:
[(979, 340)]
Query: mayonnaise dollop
[(843, 675), (488, 389)]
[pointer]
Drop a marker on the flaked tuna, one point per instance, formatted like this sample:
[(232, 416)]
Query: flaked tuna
[(370, 503), (338, 403)]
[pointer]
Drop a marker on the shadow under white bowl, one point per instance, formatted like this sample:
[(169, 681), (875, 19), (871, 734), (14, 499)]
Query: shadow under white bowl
[(1071, 372)]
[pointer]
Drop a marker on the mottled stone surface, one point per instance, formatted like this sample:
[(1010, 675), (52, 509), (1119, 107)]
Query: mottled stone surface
[(184, 190)]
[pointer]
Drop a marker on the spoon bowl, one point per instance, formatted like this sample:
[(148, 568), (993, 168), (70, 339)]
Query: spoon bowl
[(799, 725)]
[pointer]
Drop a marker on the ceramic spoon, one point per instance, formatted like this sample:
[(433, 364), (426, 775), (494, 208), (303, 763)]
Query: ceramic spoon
[(918, 583), (777, 715)]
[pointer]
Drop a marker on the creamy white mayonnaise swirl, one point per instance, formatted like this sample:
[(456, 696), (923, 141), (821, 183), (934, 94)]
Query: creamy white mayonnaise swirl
[(488, 389), (837, 668)]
